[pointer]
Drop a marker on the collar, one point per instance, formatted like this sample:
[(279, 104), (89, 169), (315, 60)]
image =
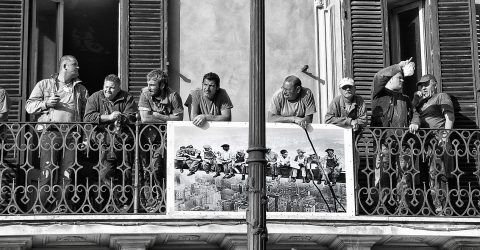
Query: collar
[(343, 102), (75, 81), (159, 98)]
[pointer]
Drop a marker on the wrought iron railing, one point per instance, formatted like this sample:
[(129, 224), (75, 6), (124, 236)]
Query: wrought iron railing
[(431, 172), (82, 168)]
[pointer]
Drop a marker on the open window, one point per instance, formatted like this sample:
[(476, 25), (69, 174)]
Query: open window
[(87, 29), (407, 38)]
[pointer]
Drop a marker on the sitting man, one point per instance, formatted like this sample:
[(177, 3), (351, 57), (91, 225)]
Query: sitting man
[(284, 163), (193, 159), (113, 108), (292, 103), (210, 103), (435, 111), (272, 163), (300, 162), (209, 161), (332, 167), (240, 163), (225, 161)]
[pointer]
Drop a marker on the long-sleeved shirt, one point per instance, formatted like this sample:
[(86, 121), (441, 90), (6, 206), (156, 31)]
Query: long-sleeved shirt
[(390, 108), (341, 113), (37, 102), (98, 105)]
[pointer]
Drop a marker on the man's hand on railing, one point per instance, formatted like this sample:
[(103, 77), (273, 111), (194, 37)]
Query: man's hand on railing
[(413, 128), (114, 115)]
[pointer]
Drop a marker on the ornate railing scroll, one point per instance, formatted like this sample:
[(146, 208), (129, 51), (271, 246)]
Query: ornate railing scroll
[(431, 172), (81, 168)]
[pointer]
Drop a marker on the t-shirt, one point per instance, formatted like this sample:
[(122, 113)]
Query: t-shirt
[(303, 106), (171, 103), (221, 101), (226, 155), (432, 112), (4, 101)]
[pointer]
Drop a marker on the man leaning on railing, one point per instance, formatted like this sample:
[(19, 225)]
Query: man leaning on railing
[(59, 99), (113, 109), (158, 103), (436, 112)]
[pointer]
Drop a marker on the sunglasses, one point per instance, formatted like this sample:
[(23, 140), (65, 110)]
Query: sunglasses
[(347, 87)]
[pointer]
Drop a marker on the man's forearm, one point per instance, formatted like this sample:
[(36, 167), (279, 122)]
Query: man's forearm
[(163, 118), (217, 118), (282, 119)]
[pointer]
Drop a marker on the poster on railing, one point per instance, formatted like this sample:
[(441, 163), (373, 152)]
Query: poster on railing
[(307, 171)]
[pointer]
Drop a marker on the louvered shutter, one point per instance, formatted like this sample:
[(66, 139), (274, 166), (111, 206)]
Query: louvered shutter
[(146, 41), (457, 58), (11, 42), (368, 43)]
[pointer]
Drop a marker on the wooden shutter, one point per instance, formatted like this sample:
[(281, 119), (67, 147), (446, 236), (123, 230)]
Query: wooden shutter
[(458, 59), (11, 54), (369, 44), (146, 41)]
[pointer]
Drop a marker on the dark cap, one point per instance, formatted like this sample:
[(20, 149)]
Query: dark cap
[(426, 78), (189, 146), (225, 145), (329, 149)]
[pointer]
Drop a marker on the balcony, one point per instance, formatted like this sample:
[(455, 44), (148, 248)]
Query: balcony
[(403, 186)]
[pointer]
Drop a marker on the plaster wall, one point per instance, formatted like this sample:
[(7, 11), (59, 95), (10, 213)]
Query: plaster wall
[(214, 36)]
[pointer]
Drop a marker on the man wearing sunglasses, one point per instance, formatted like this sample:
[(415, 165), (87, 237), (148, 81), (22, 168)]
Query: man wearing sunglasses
[(347, 109)]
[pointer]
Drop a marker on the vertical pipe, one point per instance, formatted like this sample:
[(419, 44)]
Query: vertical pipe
[(136, 197), (257, 199)]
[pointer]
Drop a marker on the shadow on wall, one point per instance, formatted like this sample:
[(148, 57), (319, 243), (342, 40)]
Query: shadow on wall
[(464, 114)]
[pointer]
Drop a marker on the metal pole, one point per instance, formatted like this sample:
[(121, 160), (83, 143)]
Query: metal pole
[(257, 199)]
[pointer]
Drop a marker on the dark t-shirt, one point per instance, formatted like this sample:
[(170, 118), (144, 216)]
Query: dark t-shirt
[(432, 112), (221, 101)]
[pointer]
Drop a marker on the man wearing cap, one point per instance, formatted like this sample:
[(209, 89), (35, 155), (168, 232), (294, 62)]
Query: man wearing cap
[(225, 160), (332, 167), (299, 163), (292, 103), (347, 109), (435, 111), (283, 162)]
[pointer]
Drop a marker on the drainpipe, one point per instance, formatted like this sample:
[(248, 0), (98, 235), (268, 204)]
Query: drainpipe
[(323, 46), (257, 198)]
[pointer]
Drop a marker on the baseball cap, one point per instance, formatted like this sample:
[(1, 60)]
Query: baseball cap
[(346, 82), (426, 78), (329, 149), (206, 146), (300, 151)]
